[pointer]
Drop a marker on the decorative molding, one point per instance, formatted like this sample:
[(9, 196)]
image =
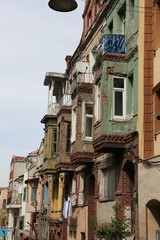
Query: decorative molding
[(64, 110), (111, 143), (119, 57), (82, 157), (65, 166), (82, 88)]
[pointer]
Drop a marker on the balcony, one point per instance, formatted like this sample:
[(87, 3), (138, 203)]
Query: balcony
[(53, 109), (14, 202), (65, 101), (115, 43)]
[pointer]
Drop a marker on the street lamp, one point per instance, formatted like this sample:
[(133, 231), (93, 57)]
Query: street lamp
[(63, 5)]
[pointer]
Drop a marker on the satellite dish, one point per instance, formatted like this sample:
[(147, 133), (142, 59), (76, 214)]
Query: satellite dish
[(82, 66)]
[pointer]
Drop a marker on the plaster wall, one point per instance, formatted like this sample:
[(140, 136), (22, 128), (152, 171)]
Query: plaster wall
[(3, 196), (81, 144), (64, 119), (148, 190), (80, 217), (104, 211), (19, 168), (140, 127), (121, 68)]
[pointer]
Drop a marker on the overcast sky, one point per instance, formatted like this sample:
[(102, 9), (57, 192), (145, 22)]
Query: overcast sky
[(33, 40)]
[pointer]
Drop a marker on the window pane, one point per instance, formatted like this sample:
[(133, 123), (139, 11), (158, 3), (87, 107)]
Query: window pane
[(88, 127), (111, 188), (89, 110), (106, 184), (55, 135), (118, 83), (118, 103)]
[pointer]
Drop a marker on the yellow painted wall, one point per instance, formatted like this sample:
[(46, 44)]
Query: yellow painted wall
[(80, 218), (140, 128), (56, 201)]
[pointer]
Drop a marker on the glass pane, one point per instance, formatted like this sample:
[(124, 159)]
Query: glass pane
[(118, 83), (89, 110), (119, 103), (106, 184), (55, 135), (88, 127)]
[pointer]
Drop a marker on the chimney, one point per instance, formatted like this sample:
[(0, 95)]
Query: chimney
[(68, 59)]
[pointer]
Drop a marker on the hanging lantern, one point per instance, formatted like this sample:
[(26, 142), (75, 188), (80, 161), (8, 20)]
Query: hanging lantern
[(63, 5)]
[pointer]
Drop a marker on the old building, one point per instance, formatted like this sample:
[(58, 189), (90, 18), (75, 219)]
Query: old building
[(56, 149), (148, 120), (30, 195), (3, 197), (116, 112), (103, 74), (91, 142), (14, 194)]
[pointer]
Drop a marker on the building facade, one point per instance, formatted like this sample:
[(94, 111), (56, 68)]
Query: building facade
[(148, 120), (17, 166)]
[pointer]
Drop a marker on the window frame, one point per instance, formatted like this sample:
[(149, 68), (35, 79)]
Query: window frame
[(73, 124), (88, 116), (98, 101), (68, 143), (123, 90), (34, 191), (54, 141), (81, 190), (107, 174)]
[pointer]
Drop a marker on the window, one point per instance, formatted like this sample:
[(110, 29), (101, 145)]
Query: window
[(59, 136), (70, 235), (119, 97), (83, 236), (34, 191), (98, 5), (124, 23), (110, 27), (24, 194), (122, 15), (130, 101), (98, 112), (107, 187), (4, 203), (68, 138), (157, 110), (88, 121), (81, 190), (90, 18), (54, 141), (74, 121), (46, 194)]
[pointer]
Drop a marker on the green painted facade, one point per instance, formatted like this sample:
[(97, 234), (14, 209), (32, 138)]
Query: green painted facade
[(122, 68)]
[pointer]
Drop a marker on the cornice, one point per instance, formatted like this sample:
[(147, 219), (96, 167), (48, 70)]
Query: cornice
[(108, 142), (82, 157), (82, 88), (64, 110)]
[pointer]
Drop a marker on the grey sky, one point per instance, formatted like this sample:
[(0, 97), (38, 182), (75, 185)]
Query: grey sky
[(33, 40)]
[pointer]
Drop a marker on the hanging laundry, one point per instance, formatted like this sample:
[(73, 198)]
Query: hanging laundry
[(67, 207)]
